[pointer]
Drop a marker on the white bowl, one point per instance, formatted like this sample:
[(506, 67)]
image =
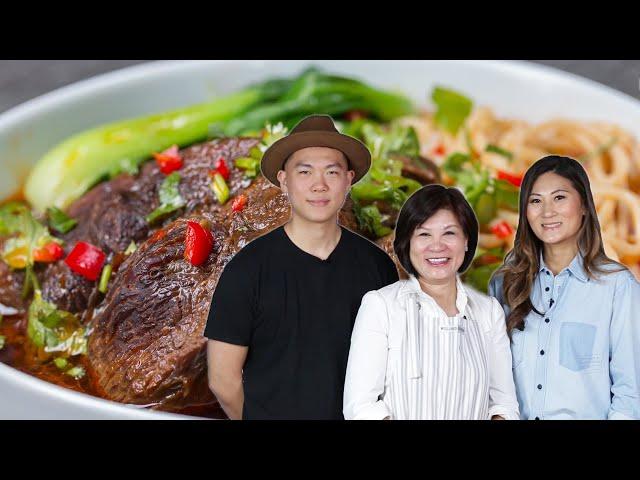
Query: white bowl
[(516, 89)]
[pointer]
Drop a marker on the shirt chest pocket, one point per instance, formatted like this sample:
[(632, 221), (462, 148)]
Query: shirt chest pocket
[(576, 347)]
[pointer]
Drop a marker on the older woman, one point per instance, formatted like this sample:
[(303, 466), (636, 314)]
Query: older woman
[(431, 347)]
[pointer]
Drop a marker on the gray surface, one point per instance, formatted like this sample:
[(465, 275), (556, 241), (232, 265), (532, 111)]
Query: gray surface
[(21, 80)]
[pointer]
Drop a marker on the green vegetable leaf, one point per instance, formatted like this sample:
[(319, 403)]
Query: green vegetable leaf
[(60, 362), (316, 92), (104, 278), (500, 151), (31, 234), (11, 217), (2, 340), (170, 198), (131, 248), (124, 165), (60, 221), (54, 330), (484, 193), (507, 195), (452, 108), (384, 181), (251, 166), (382, 140), (485, 208), (220, 188), (454, 163), (478, 277), (370, 219), (76, 372), (272, 133)]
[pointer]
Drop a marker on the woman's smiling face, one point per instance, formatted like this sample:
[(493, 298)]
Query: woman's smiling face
[(554, 210), (437, 247)]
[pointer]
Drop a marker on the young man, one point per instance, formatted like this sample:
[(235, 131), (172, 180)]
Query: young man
[(281, 317)]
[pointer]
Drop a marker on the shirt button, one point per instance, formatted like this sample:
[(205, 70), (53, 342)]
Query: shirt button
[(539, 386), (546, 320), (546, 289), (537, 418), (541, 352), (547, 272)]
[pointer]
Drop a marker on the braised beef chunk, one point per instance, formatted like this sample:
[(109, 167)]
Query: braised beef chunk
[(112, 214), (147, 345)]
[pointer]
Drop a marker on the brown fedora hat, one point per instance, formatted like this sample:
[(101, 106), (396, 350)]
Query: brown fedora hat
[(315, 131)]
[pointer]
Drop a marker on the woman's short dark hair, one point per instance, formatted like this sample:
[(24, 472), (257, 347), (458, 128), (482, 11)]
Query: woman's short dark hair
[(421, 206)]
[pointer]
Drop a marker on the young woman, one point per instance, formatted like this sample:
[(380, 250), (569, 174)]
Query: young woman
[(572, 313), (430, 347)]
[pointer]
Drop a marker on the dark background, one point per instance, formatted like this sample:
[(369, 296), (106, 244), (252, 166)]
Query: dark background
[(21, 80)]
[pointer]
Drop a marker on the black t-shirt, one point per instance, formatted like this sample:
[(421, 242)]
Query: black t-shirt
[(295, 312)]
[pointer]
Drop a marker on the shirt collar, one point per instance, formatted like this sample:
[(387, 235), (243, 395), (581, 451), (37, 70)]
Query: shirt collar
[(576, 267), (412, 286)]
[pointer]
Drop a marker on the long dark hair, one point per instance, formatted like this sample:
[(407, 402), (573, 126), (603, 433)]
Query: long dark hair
[(522, 264)]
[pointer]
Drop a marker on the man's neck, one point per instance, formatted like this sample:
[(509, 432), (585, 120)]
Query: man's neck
[(558, 257), (317, 239)]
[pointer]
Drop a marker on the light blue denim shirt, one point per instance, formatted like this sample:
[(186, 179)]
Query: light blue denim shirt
[(581, 358)]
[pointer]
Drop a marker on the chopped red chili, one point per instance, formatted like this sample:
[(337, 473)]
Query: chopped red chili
[(221, 168), (51, 252), (439, 149), (86, 260), (511, 178), (502, 229), (239, 203), (198, 243), (169, 160)]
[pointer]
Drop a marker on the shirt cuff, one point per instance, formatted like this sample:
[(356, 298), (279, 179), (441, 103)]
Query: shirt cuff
[(374, 411), (615, 415), (504, 412)]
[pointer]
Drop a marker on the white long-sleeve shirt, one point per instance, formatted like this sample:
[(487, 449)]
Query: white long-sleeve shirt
[(409, 360)]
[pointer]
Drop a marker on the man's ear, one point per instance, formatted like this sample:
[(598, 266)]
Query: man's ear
[(350, 175), (282, 178)]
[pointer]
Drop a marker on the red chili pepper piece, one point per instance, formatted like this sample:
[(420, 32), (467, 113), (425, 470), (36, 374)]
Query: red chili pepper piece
[(513, 179), (169, 160), (239, 203), (502, 229), (198, 243), (439, 149), (86, 260), (51, 252), (221, 168)]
